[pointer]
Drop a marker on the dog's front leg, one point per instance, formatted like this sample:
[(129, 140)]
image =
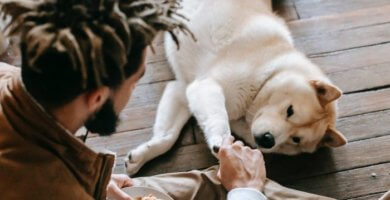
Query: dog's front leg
[(172, 114), (207, 102)]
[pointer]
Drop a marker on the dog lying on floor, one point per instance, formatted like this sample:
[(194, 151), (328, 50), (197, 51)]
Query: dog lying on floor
[(243, 75)]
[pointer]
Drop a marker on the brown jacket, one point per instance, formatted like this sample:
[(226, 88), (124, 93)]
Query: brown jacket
[(39, 159)]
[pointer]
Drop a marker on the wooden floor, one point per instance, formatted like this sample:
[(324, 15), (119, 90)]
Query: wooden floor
[(350, 40)]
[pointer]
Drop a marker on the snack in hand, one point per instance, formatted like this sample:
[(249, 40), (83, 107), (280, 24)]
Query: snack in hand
[(149, 197)]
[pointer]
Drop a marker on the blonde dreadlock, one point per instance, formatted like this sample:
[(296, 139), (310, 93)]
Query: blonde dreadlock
[(90, 30)]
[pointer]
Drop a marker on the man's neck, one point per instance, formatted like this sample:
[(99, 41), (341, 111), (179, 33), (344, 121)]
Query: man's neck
[(64, 117)]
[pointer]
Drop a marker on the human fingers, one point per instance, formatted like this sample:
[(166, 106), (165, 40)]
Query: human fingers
[(238, 145), (114, 192), (226, 145), (228, 141), (125, 181)]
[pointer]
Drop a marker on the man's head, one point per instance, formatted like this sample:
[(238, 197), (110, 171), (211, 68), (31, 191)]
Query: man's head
[(84, 57)]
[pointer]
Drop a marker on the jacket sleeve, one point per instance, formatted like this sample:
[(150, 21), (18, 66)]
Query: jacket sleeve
[(245, 194)]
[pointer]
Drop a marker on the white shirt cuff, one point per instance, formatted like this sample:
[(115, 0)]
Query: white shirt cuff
[(245, 194)]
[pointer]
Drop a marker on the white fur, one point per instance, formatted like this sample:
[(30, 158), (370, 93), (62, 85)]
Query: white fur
[(228, 76)]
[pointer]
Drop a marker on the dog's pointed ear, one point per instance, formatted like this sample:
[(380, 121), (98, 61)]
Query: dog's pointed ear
[(333, 138), (326, 92)]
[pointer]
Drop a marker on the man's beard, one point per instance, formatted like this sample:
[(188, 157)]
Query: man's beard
[(104, 121)]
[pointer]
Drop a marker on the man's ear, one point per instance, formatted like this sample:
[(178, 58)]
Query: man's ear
[(94, 99), (326, 92), (333, 138)]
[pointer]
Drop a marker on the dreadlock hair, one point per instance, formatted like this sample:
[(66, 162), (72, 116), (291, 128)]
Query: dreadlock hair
[(72, 46)]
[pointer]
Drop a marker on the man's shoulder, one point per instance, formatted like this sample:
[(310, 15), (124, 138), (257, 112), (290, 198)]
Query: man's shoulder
[(37, 175), (28, 171)]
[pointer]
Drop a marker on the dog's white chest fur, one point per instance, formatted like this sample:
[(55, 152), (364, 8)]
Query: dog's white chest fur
[(227, 39)]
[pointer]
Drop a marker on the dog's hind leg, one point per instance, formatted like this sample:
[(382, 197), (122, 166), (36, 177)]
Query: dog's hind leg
[(172, 114), (207, 102)]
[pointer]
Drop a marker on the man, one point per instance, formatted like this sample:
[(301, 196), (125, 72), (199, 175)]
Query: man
[(80, 63)]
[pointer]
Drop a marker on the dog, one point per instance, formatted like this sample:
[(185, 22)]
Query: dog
[(242, 75)]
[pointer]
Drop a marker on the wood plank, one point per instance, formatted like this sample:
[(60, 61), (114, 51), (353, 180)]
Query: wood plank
[(364, 102), (141, 109), (345, 39), (352, 80), (159, 49), (178, 159), (314, 8), (355, 154), (347, 184), (184, 159), (157, 72), (337, 32), (285, 9), (122, 143), (370, 125), (157, 66), (354, 58), (369, 197), (339, 22)]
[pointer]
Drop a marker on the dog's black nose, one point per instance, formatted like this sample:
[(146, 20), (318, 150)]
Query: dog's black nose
[(265, 140)]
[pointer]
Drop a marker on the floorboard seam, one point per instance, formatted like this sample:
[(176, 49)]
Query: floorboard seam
[(335, 172), (365, 195), (364, 113), (369, 89), (364, 26), (296, 11), (154, 82), (329, 53)]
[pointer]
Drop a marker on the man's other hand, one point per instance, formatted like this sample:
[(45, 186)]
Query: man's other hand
[(117, 182)]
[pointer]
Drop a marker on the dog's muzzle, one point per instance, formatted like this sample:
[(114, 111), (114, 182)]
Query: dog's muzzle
[(265, 140)]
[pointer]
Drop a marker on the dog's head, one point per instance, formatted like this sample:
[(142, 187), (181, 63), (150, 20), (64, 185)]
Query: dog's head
[(295, 115)]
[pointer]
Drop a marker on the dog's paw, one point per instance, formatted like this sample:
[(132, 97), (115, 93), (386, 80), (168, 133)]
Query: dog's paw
[(215, 144), (133, 162), (215, 151)]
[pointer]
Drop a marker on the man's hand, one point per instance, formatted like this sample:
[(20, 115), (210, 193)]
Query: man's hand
[(240, 166), (117, 182)]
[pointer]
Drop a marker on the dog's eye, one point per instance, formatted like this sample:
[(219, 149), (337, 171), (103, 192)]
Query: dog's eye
[(290, 111), (296, 139)]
